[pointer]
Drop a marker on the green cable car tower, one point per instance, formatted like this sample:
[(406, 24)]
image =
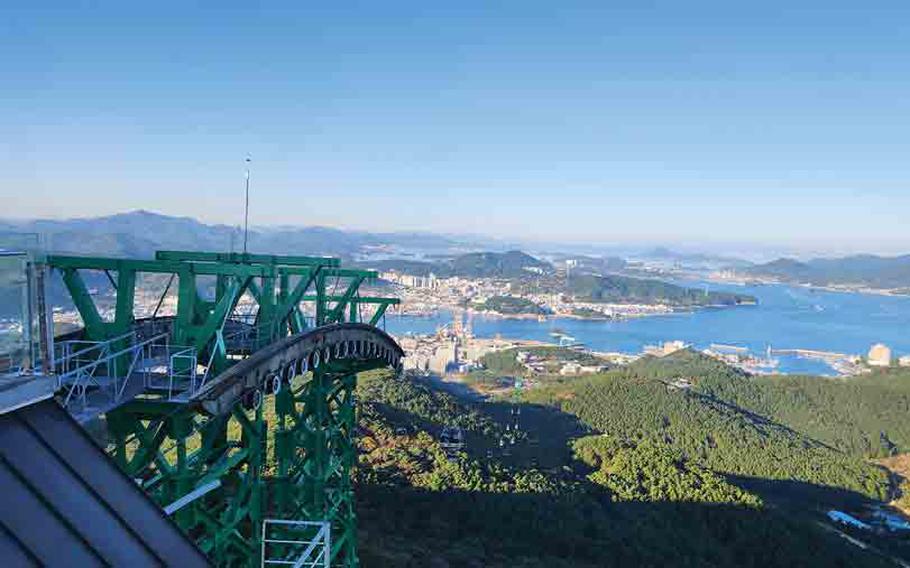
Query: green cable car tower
[(236, 412)]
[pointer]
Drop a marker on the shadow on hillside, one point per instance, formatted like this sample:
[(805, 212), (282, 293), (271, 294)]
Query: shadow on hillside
[(756, 419), (800, 496), (406, 526), (412, 527), (408, 421), (546, 433), (543, 442)]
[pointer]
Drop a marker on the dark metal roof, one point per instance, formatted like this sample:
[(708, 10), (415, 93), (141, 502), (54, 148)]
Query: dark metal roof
[(63, 502)]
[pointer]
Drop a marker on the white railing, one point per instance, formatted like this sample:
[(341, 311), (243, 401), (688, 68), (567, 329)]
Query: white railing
[(82, 362), (182, 369), (300, 544), (110, 366), (171, 368)]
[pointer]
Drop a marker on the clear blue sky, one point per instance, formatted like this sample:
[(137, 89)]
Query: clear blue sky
[(776, 121)]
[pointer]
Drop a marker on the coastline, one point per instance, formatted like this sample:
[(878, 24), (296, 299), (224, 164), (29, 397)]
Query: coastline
[(661, 310), (839, 288)]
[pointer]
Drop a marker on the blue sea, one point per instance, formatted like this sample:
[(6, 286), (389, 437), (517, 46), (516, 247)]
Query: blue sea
[(786, 317)]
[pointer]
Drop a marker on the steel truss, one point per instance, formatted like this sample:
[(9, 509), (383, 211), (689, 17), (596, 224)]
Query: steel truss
[(266, 428)]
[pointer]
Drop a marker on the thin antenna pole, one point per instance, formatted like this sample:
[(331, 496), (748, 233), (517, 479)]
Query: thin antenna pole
[(246, 208)]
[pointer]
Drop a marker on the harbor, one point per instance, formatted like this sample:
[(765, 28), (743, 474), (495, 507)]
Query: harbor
[(786, 319)]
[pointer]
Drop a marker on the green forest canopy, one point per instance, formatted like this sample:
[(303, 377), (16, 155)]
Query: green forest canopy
[(616, 288), (649, 487)]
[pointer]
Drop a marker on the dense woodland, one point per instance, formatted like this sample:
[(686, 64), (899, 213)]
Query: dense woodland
[(511, 265), (863, 416), (511, 305), (640, 403), (616, 288), (619, 469)]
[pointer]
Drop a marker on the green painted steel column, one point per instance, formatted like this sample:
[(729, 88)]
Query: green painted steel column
[(320, 299), (85, 305), (354, 311), (267, 311), (285, 448), (186, 307), (345, 530), (320, 458), (126, 300), (284, 293), (180, 427)]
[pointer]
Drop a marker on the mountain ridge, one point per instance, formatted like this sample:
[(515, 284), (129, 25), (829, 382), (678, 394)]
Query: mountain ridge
[(874, 271)]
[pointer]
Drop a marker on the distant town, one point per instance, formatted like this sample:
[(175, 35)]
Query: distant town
[(454, 351), (424, 295)]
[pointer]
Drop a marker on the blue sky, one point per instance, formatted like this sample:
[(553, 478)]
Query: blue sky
[(780, 122)]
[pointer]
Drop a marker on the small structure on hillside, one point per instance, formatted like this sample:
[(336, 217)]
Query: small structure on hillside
[(666, 348), (879, 355), (452, 441), (849, 520)]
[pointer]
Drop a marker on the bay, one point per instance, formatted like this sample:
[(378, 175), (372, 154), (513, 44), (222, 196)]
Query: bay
[(786, 317)]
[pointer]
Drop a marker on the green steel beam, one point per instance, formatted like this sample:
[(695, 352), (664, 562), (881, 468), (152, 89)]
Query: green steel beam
[(85, 305), (126, 299), (156, 266), (288, 306), (222, 309), (351, 273), (337, 313), (254, 290), (380, 311), (320, 298), (360, 299), (247, 258)]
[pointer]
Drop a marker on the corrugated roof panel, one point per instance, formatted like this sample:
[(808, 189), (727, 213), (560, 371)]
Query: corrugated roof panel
[(13, 552), (66, 503), (25, 515), (109, 483)]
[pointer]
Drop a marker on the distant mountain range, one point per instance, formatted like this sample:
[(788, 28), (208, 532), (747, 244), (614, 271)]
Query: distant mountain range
[(694, 258), (510, 264), (140, 233), (860, 270)]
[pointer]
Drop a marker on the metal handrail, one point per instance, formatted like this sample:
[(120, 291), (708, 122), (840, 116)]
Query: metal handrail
[(94, 345), (96, 363), (306, 559), (77, 379)]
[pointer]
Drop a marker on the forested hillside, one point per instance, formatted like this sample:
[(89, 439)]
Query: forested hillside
[(639, 403), (618, 502), (615, 288), (510, 305), (510, 265), (858, 270), (648, 471), (865, 416)]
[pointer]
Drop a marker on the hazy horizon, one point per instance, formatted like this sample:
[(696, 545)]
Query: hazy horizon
[(754, 251)]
